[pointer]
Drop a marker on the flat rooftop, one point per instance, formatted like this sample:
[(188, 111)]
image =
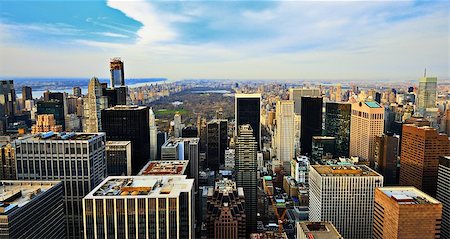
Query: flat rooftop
[(165, 167), (117, 143), (319, 230), (348, 170), (408, 195), (323, 138), (142, 187), (61, 136), (15, 194), (173, 142), (372, 104), (127, 107)]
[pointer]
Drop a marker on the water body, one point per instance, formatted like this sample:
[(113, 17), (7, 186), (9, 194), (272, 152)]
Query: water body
[(84, 88)]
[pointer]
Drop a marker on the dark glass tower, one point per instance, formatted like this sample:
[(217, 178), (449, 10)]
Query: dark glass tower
[(54, 107), (117, 72), (26, 94), (311, 123), (337, 124), (217, 140), (248, 107), (7, 99), (129, 123)]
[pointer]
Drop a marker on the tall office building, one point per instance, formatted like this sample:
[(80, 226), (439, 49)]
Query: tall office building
[(296, 95), (386, 157), (427, 93), (153, 135), (140, 207), (405, 213), (443, 194), (285, 131), (317, 230), (344, 195), (161, 139), (177, 125), (117, 72), (27, 94), (94, 103), (54, 107), (76, 159), (8, 162), (337, 124), (216, 141), (311, 122), (226, 211), (247, 111), (129, 123), (8, 104), (183, 149), (118, 158), (323, 148), (76, 91), (419, 157), (33, 209), (367, 122), (246, 173)]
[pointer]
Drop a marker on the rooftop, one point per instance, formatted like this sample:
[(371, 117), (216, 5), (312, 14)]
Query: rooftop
[(408, 195), (173, 142), (339, 170), (127, 107), (254, 95), (142, 186), (16, 193), (60, 136), (165, 167), (117, 143), (372, 104), (319, 230), (323, 138)]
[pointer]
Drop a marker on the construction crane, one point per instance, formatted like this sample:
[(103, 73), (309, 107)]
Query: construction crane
[(275, 209)]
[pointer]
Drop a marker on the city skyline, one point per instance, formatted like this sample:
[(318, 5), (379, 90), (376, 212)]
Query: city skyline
[(263, 40)]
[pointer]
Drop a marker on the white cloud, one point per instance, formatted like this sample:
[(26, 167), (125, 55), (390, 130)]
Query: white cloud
[(112, 34)]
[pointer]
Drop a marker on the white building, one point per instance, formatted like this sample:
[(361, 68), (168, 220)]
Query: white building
[(229, 159), (300, 169), (153, 135), (344, 195), (285, 131), (140, 207)]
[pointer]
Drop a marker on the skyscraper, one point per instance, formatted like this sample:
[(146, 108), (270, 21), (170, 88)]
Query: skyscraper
[(386, 157), (129, 123), (311, 122), (140, 207), (405, 213), (248, 108), (153, 135), (246, 173), (77, 91), (45, 123), (177, 125), (117, 72), (226, 211), (285, 131), (118, 158), (337, 124), (367, 121), (54, 107), (26, 94), (8, 162), (32, 209), (8, 103), (443, 194), (217, 140), (76, 159), (419, 158), (296, 95), (94, 103), (344, 195), (427, 93)]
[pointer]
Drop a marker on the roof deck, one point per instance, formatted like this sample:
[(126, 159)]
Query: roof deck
[(165, 167), (61, 136), (408, 195), (340, 170), (142, 186)]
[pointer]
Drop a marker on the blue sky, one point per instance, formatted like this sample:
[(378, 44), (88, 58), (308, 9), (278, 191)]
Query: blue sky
[(356, 40)]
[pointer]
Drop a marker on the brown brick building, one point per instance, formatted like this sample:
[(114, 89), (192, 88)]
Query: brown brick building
[(226, 215), (420, 152), (406, 213)]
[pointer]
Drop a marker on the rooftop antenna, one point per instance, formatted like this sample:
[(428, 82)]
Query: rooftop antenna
[(425, 73)]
